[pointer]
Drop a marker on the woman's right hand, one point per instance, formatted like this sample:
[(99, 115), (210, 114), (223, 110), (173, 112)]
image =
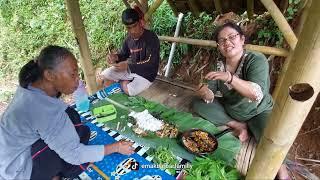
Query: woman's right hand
[(122, 147), (205, 93)]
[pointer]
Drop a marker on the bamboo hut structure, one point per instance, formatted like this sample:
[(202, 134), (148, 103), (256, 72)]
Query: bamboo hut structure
[(300, 77)]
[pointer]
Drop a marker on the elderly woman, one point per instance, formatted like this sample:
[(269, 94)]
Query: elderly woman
[(242, 78), (37, 119)]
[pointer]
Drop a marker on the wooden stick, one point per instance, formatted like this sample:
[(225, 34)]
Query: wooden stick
[(311, 160), (81, 37), (99, 171), (288, 114), (309, 131), (152, 9), (281, 21), (198, 42)]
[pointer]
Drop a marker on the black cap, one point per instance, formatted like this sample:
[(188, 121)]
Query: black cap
[(130, 16)]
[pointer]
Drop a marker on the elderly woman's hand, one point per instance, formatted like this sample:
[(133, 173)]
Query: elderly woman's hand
[(219, 75), (205, 93)]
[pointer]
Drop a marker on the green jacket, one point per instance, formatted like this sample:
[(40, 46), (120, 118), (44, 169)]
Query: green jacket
[(255, 68)]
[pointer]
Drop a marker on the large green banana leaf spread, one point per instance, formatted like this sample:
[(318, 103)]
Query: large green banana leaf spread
[(228, 146)]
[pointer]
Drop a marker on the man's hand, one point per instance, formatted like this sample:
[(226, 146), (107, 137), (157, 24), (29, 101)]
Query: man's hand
[(121, 66), (205, 93), (112, 59)]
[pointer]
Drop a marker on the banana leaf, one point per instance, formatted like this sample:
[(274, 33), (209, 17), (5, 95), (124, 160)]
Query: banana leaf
[(229, 146)]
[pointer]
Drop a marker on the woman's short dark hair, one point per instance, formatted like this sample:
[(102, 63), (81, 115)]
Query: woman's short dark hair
[(130, 16), (48, 58), (228, 24)]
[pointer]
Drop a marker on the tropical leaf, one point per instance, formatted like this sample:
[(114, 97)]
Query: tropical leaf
[(229, 146)]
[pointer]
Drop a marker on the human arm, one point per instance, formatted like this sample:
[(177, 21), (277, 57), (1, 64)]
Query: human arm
[(62, 138), (122, 147), (255, 79)]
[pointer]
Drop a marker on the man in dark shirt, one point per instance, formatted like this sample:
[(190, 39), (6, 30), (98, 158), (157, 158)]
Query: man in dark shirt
[(136, 65)]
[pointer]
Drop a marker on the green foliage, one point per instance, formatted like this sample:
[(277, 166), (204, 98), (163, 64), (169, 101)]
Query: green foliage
[(208, 168), (163, 156), (27, 26), (104, 28), (229, 146), (269, 33), (164, 23), (6, 96)]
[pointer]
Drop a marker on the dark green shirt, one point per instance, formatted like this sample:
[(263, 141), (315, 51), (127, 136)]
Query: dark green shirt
[(254, 67)]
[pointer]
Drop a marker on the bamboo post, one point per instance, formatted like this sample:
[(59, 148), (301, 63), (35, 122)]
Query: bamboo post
[(250, 8), (81, 37), (152, 9), (304, 14), (307, 4), (198, 42), (288, 114), (144, 4), (217, 5), (126, 3), (281, 21)]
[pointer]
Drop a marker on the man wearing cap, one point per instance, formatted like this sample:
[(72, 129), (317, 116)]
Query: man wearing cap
[(135, 66)]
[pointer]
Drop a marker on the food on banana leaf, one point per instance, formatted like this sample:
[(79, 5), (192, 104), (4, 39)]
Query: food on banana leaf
[(199, 142), (145, 123)]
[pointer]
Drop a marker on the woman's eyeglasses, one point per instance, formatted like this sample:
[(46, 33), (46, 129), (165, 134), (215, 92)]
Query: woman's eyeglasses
[(232, 37)]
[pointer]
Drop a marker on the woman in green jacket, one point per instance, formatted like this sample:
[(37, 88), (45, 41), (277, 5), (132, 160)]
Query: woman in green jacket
[(242, 78)]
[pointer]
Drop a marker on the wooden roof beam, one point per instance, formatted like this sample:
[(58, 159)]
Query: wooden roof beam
[(82, 41), (194, 7), (173, 7), (250, 8), (281, 21), (198, 42), (217, 5), (289, 114)]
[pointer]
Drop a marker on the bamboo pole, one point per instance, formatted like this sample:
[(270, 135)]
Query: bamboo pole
[(217, 5), (126, 3), (152, 9), (250, 8), (303, 17), (281, 21), (304, 14), (144, 4), (198, 42), (81, 37), (288, 115)]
